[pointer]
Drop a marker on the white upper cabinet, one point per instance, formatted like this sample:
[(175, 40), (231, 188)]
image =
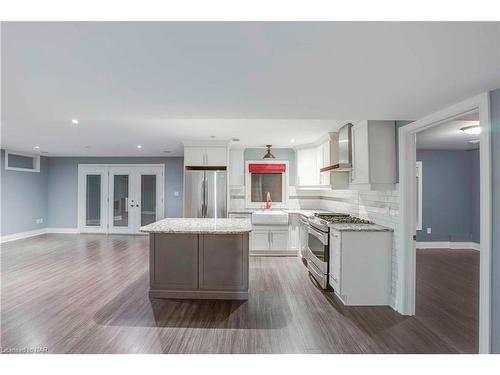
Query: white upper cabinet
[(307, 167), (373, 155), (236, 167), (324, 161), (205, 156)]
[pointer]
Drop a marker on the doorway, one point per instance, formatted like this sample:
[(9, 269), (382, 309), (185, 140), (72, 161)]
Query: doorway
[(119, 198), (406, 252), (448, 225)]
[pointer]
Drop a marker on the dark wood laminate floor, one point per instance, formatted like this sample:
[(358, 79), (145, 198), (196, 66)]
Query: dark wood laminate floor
[(447, 299), (88, 294)]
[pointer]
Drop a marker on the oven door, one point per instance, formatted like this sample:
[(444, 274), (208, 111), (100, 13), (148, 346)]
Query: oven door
[(317, 242)]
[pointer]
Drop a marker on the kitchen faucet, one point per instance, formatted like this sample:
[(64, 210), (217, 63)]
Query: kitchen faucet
[(268, 200)]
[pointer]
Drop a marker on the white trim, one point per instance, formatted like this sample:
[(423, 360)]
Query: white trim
[(63, 230), (447, 245), (419, 174), (22, 235), (36, 232), (405, 298), (36, 161)]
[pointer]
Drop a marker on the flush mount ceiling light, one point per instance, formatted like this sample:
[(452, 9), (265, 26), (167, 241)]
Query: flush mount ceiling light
[(474, 129), (268, 154), (74, 121), (474, 141), (37, 147), (139, 146)]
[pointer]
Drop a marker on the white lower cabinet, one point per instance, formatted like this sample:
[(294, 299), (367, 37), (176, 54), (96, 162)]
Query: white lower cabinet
[(270, 240), (294, 232), (360, 266)]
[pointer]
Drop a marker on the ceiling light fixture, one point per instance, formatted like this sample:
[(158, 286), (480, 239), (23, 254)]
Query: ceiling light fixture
[(37, 147), (139, 146), (268, 154), (292, 140), (474, 141), (474, 129), (74, 121)]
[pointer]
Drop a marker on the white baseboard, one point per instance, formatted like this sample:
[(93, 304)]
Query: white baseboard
[(447, 245), (21, 235), (63, 230), (37, 232)]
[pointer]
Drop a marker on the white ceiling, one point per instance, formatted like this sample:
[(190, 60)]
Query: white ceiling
[(159, 83), (448, 136)]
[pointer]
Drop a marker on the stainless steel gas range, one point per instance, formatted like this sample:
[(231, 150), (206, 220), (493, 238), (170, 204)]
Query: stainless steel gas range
[(319, 243)]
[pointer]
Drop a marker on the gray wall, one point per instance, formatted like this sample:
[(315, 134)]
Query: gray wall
[(280, 154), (24, 198), (495, 290), (448, 184), (63, 185)]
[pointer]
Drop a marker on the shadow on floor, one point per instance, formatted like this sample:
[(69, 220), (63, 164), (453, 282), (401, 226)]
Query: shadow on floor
[(132, 307)]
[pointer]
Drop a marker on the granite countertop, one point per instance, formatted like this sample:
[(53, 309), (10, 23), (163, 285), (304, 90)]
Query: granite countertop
[(199, 226), (345, 227)]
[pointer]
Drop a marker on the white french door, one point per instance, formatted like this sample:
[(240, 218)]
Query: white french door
[(92, 198), (123, 197)]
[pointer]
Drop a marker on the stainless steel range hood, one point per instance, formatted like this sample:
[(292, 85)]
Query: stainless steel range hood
[(340, 150), (345, 147)]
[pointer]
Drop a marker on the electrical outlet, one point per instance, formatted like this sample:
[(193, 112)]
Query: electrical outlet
[(39, 221), (176, 193), (429, 230)]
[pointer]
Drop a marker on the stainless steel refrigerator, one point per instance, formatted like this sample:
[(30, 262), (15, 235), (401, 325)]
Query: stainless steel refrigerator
[(205, 193)]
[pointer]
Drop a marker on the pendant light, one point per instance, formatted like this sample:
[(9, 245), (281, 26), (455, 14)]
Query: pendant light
[(268, 154)]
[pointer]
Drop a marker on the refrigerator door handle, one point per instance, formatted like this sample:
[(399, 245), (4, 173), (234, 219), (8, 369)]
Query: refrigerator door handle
[(205, 199)]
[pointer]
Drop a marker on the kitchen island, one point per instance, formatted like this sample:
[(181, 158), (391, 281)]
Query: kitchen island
[(193, 258)]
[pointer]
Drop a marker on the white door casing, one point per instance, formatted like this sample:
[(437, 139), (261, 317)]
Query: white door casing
[(406, 253)]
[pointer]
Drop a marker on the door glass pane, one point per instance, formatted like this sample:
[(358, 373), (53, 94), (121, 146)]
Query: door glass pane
[(93, 201), (148, 199), (120, 201)]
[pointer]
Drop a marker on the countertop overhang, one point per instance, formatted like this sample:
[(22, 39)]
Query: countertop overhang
[(199, 226)]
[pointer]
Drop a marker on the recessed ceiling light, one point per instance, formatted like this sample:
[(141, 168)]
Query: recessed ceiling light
[(139, 146), (292, 140), (74, 121), (474, 129), (474, 141), (37, 147)]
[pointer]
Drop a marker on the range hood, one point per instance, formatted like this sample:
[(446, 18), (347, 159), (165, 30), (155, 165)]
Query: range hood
[(340, 150)]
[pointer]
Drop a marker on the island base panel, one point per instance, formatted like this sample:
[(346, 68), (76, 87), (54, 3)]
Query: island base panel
[(199, 266)]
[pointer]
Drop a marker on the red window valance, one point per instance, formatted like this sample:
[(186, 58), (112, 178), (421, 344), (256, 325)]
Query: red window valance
[(266, 168)]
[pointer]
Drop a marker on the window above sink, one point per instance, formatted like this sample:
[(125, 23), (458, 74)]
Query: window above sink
[(263, 177)]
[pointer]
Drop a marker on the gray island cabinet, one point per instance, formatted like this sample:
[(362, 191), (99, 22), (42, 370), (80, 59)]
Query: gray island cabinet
[(199, 258)]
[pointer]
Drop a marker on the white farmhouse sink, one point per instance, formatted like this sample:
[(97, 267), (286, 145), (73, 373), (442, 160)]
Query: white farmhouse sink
[(270, 217)]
